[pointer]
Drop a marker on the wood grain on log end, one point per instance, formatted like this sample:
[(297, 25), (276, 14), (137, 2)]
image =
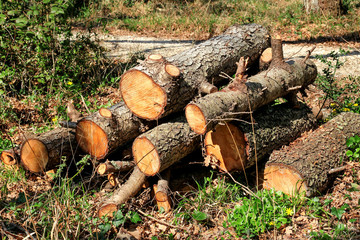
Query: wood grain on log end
[(284, 178), (265, 59), (34, 155), (106, 113), (107, 210), (195, 118), (227, 144), (9, 157), (102, 169), (172, 70), (155, 57), (92, 139), (142, 95), (112, 179), (146, 156)]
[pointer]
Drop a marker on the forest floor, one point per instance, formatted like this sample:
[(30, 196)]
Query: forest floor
[(345, 189)]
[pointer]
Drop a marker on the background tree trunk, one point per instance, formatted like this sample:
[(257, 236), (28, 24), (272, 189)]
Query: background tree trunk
[(332, 7)]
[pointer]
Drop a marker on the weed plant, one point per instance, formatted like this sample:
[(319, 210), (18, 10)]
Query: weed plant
[(261, 212)]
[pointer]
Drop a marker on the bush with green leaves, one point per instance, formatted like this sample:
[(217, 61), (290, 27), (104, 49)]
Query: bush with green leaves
[(353, 144), (261, 212), (38, 52)]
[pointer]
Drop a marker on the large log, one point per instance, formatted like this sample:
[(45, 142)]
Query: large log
[(238, 145), (107, 129), (306, 164), (162, 146), (153, 89), (257, 91), (45, 151)]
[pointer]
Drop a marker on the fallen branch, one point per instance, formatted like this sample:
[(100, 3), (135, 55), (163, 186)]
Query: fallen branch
[(130, 188)]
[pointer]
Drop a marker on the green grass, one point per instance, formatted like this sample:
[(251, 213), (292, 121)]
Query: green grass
[(200, 19)]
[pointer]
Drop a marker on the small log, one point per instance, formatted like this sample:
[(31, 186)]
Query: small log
[(113, 180), (160, 147), (11, 156), (104, 131), (161, 195), (45, 151), (114, 167), (151, 91), (233, 144), (265, 59), (258, 90), (304, 165), (130, 188)]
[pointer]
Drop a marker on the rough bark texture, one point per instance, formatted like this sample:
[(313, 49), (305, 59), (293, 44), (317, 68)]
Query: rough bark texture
[(11, 156), (161, 195), (99, 136), (258, 90), (150, 92), (130, 188), (274, 127), (45, 151), (332, 7), (114, 166), (305, 164), (159, 148)]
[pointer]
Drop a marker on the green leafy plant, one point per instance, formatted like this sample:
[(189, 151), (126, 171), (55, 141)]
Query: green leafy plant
[(353, 143), (261, 212)]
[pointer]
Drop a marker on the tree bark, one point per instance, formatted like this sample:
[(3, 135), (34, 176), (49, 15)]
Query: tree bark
[(237, 146), (45, 151), (104, 131), (114, 166), (11, 156), (151, 92), (159, 148), (332, 7), (304, 165), (130, 188), (257, 91)]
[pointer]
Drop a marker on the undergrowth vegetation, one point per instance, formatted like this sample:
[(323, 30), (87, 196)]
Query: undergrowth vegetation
[(202, 18)]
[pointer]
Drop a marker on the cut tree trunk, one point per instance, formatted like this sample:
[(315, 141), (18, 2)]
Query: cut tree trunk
[(234, 146), (11, 156), (306, 164), (104, 131), (257, 91), (159, 148), (45, 151), (151, 91), (130, 188)]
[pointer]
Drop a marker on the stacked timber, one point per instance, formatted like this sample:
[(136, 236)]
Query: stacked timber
[(150, 118)]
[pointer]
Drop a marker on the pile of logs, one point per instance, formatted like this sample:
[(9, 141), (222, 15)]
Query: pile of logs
[(151, 119)]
